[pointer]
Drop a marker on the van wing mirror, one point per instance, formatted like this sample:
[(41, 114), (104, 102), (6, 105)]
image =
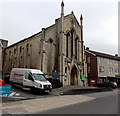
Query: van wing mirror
[(30, 77)]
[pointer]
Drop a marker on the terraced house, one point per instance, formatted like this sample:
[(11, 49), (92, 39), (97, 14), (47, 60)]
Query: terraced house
[(102, 65), (57, 50)]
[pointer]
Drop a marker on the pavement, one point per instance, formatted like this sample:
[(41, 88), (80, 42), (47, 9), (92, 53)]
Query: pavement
[(19, 94), (58, 98), (42, 104)]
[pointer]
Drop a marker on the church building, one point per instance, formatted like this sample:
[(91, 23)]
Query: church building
[(56, 50)]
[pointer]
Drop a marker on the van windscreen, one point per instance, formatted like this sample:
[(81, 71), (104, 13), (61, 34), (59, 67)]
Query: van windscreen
[(39, 77)]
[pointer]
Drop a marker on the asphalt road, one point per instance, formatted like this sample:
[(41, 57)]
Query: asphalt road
[(18, 92), (101, 105)]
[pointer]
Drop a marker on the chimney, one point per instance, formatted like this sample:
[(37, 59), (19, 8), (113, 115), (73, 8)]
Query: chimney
[(116, 55), (87, 48)]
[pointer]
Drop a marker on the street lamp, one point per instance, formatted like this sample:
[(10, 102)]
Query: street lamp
[(1, 58)]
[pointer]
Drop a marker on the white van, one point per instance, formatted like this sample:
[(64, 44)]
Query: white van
[(30, 78)]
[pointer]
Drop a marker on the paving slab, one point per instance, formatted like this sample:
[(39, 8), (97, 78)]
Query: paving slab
[(17, 110)]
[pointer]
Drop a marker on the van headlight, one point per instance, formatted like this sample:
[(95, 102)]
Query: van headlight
[(41, 85)]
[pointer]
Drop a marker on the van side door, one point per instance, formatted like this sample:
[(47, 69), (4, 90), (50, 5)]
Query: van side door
[(27, 81)]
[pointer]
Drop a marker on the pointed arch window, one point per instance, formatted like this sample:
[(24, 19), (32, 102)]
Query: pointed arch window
[(67, 44), (72, 42), (20, 48), (49, 54), (27, 48), (76, 47), (14, 51)]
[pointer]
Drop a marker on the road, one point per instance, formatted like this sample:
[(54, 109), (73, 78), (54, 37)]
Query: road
[(101, 102), (20, 93), (105, 103)]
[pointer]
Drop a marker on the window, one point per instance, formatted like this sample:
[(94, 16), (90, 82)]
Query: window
[(110, 70), (116, 70), (101, 69), (88, 60), (9, 52), (26, 75), (27, 46), (116, 62), (101, 60), (76, 47), (65, 73), (28, 49), (20, 48), (50, 40), (49, 50), (65, 69), (89, 69), (39, 77), (67, 44), (110, 61), (72, 42), (14, 51)]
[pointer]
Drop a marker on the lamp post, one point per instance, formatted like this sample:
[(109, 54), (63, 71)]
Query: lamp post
[(1, 58)]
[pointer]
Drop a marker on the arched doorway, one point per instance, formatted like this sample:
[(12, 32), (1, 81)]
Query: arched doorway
[(74, 79)]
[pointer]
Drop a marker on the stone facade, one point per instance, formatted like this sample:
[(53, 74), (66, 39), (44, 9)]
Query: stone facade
[(56, 49)]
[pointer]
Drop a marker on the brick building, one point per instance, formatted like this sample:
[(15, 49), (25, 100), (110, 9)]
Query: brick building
[(101, 65)]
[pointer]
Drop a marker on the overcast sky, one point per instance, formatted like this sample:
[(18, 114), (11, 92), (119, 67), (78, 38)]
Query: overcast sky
[(19, 20)]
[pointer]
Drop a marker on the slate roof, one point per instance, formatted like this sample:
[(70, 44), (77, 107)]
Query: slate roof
[(105, 55)]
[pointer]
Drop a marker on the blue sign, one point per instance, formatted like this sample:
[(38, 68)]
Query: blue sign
[(55, 75), (5, 90)]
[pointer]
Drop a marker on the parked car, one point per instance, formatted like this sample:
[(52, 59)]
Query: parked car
[(107, 84)]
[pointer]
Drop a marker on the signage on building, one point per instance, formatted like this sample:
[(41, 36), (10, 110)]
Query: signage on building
[(82, 77), (5, 90)]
